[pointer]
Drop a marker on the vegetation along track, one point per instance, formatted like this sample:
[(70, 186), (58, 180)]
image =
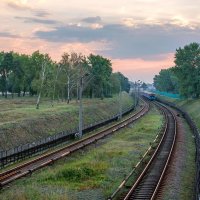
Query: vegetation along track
[(44, 160), (147, 184)]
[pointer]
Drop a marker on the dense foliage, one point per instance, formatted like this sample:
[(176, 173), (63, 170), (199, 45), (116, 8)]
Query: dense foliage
[(187, 69), (184, 77), (38, 74), (166, 81)]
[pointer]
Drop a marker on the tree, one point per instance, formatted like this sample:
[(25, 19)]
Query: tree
[(2, 80), (166, 81), (42, 65), (58, 70), (16, 76), (101, 70), (69, 64), (187, 69), (37, 74), (26, 75), (115, 83), (6, 65), (125, 85), (144, 86)]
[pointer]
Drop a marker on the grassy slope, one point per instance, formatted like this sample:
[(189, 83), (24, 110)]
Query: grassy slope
[(187, 177), (93, 173), (191, 106), (21, 123)]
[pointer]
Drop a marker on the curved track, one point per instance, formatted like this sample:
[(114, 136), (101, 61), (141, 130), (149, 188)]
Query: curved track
[(44, 160), (147, 184)]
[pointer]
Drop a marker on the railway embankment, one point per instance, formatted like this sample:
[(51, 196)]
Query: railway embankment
[(94, 172), (191, 106), (21, 123)]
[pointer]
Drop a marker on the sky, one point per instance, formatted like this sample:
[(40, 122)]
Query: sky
[(139, 36)]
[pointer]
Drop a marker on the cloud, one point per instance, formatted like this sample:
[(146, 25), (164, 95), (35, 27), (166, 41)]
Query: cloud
[(92, 20), (18, 5), (8, 35), (29, 45), (36, 20), (41, 13), (143, 41), (133, 68), (140, 69), (129, 22)]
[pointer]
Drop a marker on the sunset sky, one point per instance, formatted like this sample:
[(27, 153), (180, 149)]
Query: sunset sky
[(139, 36)]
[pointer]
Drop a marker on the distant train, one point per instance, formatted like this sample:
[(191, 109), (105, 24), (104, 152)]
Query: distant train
[(149, 95)]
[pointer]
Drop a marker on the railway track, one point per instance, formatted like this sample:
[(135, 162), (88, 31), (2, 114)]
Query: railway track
[(29, 167), (147, 185)]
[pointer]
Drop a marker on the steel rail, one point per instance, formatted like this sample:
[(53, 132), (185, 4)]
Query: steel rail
[(49, 142), (147, 184), (49, 158)]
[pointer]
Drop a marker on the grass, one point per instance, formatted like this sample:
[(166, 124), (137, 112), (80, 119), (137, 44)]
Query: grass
[(68, 142), (188, 173), (14, 110), (92, 173), (187, 176), (21, 123), (192, 106)]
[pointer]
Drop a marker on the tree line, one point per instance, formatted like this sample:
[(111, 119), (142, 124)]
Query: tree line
[(38, 74), (184, 77)]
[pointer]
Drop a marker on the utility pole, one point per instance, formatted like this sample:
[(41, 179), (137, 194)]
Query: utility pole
[(135, 94), (137, 88), (81, 108), (120, 102), (138, 94), (82, 76), (139, 84)]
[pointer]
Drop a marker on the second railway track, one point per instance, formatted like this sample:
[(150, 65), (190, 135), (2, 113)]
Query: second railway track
[(27, 168), (147, 184)]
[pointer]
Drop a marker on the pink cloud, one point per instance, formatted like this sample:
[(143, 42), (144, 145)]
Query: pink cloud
[(55, 50), (141, 69)]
